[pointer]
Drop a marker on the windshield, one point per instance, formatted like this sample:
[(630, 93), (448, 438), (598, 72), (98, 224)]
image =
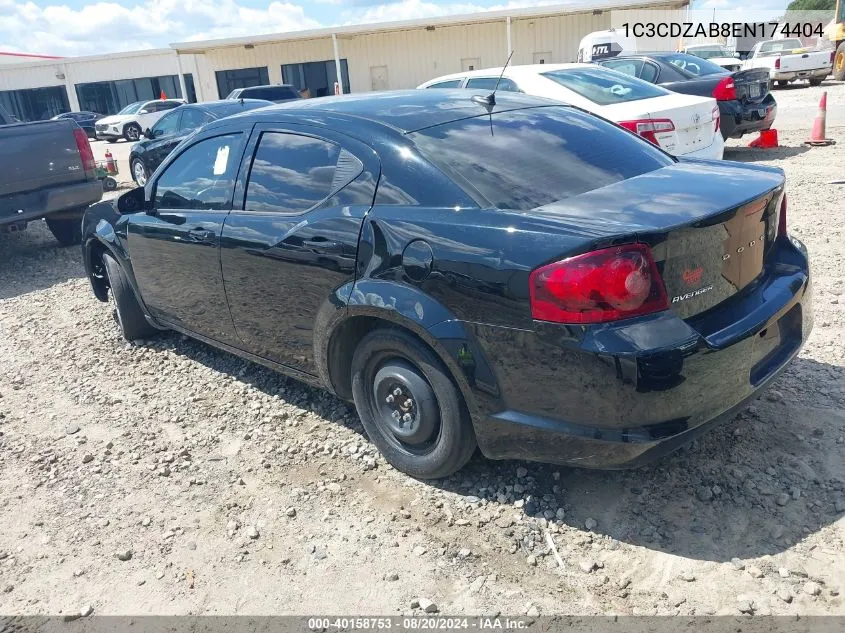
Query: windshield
[(604, 86), (780, 45), (524, 159), (234, 94), (132, 108), (710, 51), (694, 65)]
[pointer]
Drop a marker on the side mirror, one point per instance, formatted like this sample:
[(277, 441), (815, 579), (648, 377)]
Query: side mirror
[(143, 111), (736, 55), (149, 133)]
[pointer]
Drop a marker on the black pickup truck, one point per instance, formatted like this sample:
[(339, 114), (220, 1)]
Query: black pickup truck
[(48, 172)]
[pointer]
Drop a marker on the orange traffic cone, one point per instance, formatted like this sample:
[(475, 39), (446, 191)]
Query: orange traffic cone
[(111, 165), (817, 138), (767, 139)]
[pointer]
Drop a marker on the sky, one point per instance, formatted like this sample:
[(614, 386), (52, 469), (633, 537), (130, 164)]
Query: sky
[(87, 27)]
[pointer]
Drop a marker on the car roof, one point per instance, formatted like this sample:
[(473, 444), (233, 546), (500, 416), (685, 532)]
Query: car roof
[(512, 71), (223, 104), (402, 110), (266, 86)]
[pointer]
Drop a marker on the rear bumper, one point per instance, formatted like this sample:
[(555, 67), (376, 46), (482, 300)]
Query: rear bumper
[(715, 151), (627, 393), (38, 204), (743, 118), (800, 74)]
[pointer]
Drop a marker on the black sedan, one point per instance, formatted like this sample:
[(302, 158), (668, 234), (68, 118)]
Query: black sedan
[(471, 270), (745, 103), (175, 126), (85, 120)]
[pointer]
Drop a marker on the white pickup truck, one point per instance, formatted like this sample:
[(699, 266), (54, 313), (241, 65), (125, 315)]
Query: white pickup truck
[(788, 60)]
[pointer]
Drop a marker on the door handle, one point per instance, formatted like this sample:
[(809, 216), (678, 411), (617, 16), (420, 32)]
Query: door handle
[(201, 236), (324, 246)]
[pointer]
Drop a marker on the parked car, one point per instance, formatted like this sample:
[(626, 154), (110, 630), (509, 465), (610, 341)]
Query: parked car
[(683, 125), (718, 54), (174, 127), (131, 122), (48, 172), (278, 93), (85, 120), (503, 271), (787, 60), (745, 103)]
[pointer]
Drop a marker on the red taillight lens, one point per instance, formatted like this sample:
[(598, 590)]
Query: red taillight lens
[(782, 218), (84, 147), (605, 285), (777, 63), (725, 90), (649, 128)]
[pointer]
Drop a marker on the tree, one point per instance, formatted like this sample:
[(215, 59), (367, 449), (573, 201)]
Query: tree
[(811, 5)]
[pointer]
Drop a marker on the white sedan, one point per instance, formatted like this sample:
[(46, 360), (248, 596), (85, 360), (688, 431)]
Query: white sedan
[(682, 125)]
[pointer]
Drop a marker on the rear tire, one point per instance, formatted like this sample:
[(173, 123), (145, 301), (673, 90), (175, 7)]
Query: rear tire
[(66, 232), (839, 63), (132, 132), (128, 313), (438, 439)]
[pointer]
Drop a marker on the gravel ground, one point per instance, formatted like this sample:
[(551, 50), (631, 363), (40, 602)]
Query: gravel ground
[(168, 477)]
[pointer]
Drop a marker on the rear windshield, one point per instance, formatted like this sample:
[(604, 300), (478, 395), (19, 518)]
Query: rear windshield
[(710, 51), (694, 65), (524, 159), (775, 46), (271, 93), (604, 86)]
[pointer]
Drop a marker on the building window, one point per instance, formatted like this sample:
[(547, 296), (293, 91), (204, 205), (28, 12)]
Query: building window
[(189, 88), (109, 97), (316, 77), (228, 80), (35, 104)]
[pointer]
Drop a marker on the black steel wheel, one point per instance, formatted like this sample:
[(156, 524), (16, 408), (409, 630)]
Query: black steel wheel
[(409, 405)]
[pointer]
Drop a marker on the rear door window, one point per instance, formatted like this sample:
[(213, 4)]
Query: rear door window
[(524, 159), (292, 173), (604, 86), (451, 83), (489, 83)]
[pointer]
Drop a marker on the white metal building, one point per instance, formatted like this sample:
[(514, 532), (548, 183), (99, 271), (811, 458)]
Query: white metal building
[(367, 57)]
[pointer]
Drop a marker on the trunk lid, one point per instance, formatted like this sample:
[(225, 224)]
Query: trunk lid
[(710, 228), (38, 155), (752, 86), (692, 117)]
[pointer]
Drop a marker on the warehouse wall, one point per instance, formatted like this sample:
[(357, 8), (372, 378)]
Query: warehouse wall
[(410, 57)]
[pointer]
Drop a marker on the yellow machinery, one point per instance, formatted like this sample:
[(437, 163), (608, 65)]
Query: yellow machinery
[(835, 32)]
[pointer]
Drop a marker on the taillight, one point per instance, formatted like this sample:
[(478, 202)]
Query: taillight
[(782, 218), (717, 118), (84, 147), (725, 90), (649, 128), (604, 285), (777, 63)]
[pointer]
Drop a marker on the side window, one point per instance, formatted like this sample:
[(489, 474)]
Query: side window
[(147, 108), (451, 83), (292, 173), (649, 73), (163, 106), (201, 177), (630, 67), (192, 118), (167, 124), (488, 83)]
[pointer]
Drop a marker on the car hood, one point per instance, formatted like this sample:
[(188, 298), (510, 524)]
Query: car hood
[(115, 119)]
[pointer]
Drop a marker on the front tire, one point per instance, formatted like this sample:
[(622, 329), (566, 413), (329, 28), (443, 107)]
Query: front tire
[(66, 232), (132, 132), (139, 172), (839, 63), (128, 313), (409, 405)]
